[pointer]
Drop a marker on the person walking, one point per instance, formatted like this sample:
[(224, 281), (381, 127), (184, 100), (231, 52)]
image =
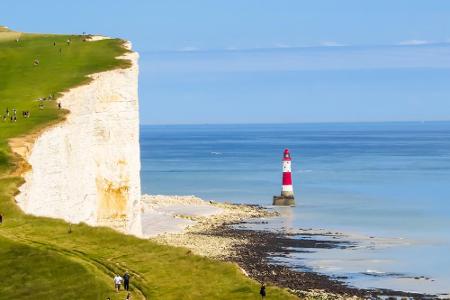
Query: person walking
[(126, 281), (262, 291), (117, 282)]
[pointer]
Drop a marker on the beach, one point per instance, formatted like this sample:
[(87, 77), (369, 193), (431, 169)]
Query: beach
[(220, 231), (185, 221)]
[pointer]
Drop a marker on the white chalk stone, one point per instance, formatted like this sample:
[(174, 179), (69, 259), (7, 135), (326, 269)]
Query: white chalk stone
[(86, 168)]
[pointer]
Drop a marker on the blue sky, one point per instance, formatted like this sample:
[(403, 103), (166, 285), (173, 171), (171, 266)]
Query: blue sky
[(271, 61)]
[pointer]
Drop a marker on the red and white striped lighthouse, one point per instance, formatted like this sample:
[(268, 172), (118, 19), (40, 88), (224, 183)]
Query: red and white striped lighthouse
[(286, 188), (287, 191)]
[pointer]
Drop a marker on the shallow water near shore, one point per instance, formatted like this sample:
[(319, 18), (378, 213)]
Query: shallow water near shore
[(383, 185)]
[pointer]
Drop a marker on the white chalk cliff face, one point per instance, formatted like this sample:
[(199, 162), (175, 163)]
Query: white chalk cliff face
[(86, 168)]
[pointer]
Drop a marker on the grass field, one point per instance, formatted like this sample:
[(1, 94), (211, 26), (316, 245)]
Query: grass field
[(39, 258)]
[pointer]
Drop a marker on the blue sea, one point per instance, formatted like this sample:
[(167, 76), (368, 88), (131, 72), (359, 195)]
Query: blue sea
[(385, 186)]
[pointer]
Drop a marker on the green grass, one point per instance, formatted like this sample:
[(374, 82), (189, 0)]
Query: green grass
[(39, 259)]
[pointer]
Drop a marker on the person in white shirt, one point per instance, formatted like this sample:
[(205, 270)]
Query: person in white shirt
[(117, 282)]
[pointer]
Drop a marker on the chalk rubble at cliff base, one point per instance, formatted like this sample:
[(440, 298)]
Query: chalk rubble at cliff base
[(182, 220)]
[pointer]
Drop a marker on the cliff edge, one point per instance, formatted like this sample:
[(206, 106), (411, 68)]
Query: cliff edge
[(86, 168)]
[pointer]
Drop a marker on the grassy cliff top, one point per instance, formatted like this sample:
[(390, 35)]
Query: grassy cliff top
[(40, 259), (35, 66)]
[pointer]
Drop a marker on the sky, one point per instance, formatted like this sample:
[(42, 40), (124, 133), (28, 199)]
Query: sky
[(259, 61)]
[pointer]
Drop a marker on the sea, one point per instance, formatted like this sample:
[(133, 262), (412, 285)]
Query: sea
[(383, 186)]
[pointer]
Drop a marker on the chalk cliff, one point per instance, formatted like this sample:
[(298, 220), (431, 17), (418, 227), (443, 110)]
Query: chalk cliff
[(86, 168)]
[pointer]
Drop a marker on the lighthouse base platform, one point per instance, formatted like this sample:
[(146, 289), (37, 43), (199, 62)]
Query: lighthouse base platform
[(283, 201)]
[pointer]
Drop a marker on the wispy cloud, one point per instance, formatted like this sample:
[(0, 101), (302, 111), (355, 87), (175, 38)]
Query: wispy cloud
[(415, 42), (279, 46), (331, 44), (292, 47), (282, 45)]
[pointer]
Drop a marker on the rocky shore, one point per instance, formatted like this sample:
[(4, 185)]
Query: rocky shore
[(217, 235), (195, 218), (254, 257)]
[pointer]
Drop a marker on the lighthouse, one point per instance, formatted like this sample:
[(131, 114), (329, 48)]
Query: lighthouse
[(287, 192)]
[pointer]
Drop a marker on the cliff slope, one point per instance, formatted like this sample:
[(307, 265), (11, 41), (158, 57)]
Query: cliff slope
[(86, 169)]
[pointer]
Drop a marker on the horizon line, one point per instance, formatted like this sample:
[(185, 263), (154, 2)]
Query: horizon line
[(295, 123), (401, 44)]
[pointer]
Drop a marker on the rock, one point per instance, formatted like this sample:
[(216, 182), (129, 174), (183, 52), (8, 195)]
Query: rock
[(100, 187)]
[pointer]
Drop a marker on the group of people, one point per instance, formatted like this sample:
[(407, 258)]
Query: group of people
[(50, 97), (69, 41), (12, 114), (118, 281)]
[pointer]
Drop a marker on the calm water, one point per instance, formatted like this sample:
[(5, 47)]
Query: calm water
[(388, 180)]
